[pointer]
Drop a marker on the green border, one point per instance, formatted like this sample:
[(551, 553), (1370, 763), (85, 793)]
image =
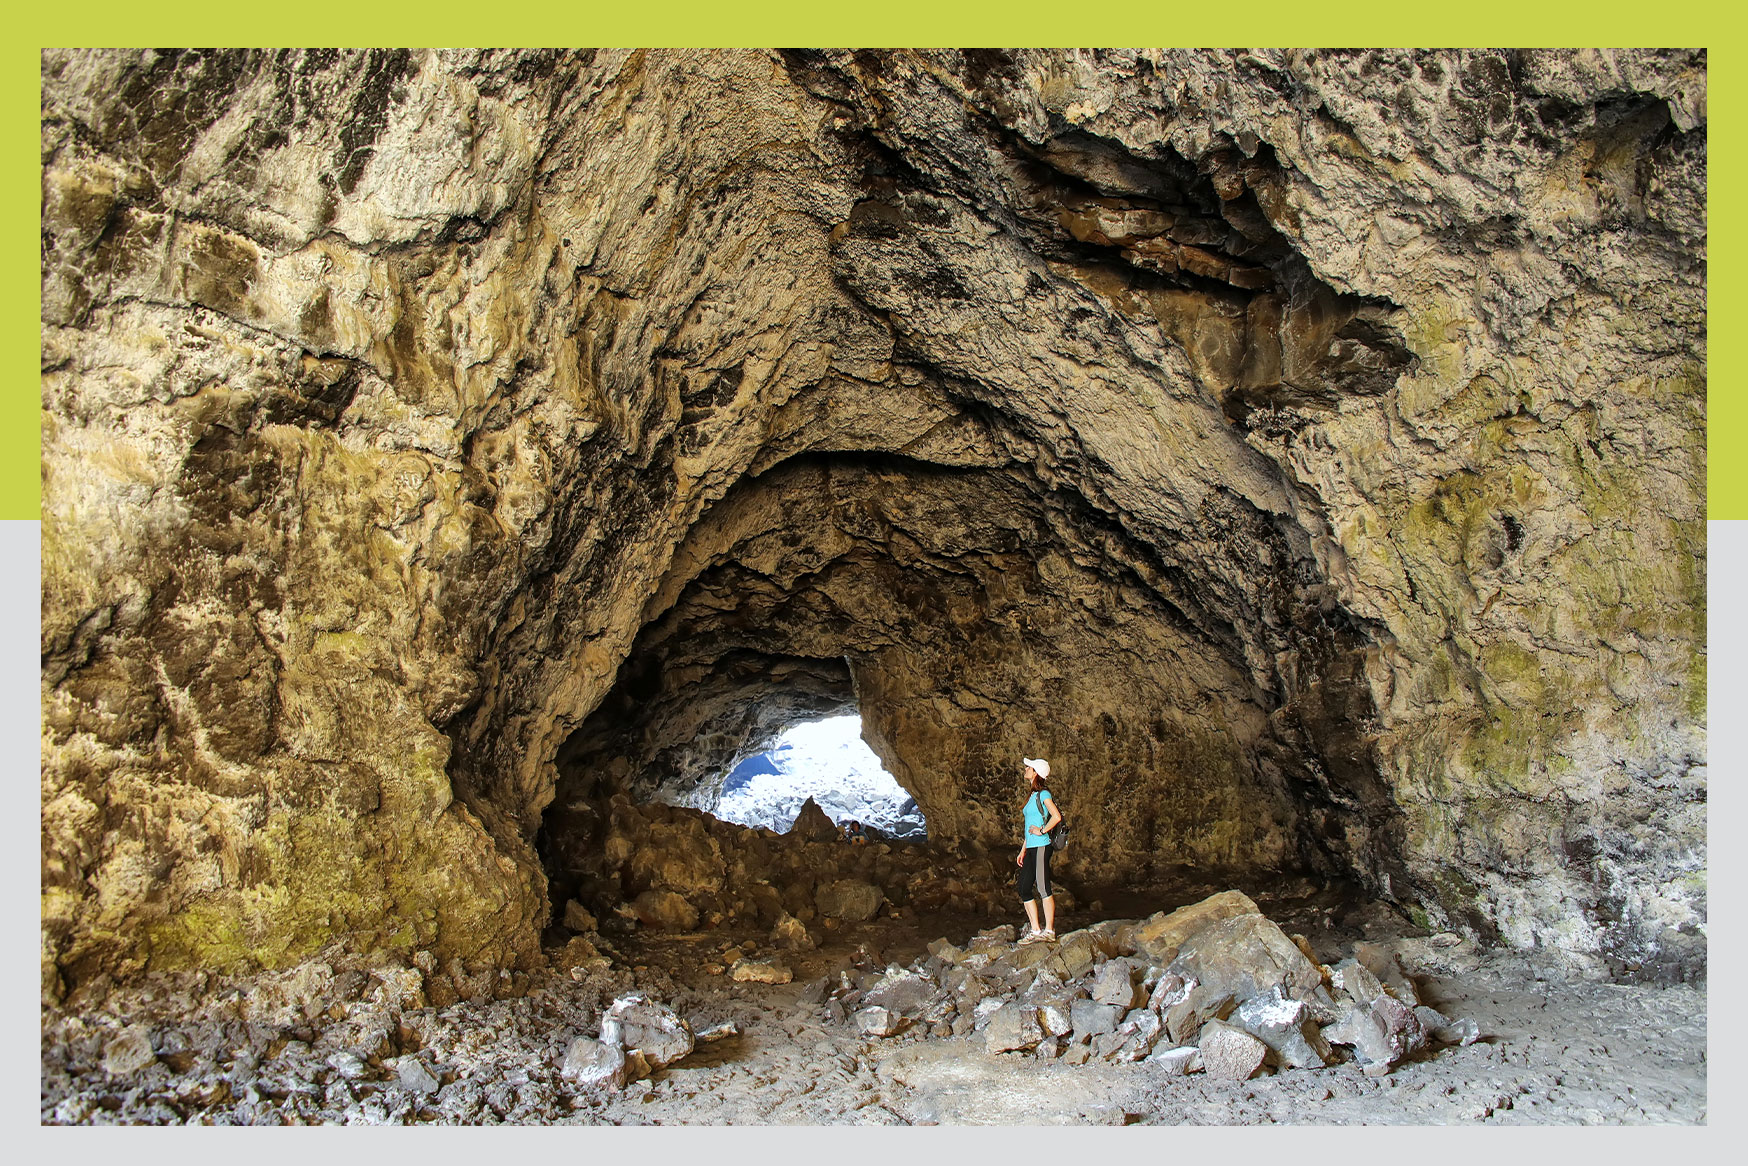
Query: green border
[(907, 22)]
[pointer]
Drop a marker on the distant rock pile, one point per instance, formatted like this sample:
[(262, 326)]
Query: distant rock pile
[(671, 868), (1213, 987)]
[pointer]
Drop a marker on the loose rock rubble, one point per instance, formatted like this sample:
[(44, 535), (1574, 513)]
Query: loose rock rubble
[(1110, 1024), (1215, 978), (672, 868)]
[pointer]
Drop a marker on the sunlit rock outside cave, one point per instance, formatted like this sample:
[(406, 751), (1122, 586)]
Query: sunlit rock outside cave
[(456, 463), (829, 762)]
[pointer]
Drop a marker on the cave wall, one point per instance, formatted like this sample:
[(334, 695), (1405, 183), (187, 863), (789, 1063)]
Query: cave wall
[(392, 401)]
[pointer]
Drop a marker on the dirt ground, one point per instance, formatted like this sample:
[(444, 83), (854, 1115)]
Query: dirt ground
[(1550, 1053)]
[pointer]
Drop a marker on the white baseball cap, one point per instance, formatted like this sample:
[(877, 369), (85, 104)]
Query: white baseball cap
[(1040, 765)]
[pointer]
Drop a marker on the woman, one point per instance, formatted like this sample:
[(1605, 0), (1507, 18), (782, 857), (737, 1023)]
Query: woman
[(1034, 857)]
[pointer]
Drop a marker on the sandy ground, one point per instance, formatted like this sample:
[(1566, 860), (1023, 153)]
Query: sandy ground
[(1550, 1053)]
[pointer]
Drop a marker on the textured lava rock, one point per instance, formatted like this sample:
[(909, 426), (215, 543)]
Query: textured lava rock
[(1304, 450)]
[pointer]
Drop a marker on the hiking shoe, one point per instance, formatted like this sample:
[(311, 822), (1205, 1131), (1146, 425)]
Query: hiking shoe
[(1047, 936), (1033, 937)]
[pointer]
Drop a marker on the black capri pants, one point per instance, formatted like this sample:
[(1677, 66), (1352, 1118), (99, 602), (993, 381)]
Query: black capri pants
[(1035, 874)]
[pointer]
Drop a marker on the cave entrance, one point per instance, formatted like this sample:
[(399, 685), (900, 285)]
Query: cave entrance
[(828, 761)]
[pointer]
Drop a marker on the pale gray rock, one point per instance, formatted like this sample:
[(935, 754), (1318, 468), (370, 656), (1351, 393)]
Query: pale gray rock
[(1170, 989), (1286, 1027), (1246, 955), (1228, 1053), (1090, 1018), (1114, 983), (1380, 1034), (1438, 1027), (1358, 981), (594, 1063), (1011, 1027), (349, 1065), (1140, 1031), (413, 1075), (878, 1021), (656, 1030), (907, 994), (128, 1052), (1380, 960), (1056, 1018), (1199, 1005), (1176, 1061)]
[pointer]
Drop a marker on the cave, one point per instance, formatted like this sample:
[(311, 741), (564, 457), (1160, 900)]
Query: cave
[(457, 462)]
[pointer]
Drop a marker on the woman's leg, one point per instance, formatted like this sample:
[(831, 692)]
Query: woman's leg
[(1028, 888), (1045, 891)]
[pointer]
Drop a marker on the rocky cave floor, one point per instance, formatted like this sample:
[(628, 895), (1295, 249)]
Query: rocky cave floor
[(324, 1045)]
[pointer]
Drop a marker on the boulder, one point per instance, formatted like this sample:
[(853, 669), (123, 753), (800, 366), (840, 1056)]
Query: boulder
[(1114, 983), (1200, 1005), (577, 917), (1380, 1034), (1090, 1018), (851, 900), (765, 903), (592, 1063), (1445, 1031), (1176, 1060), (1162, 935), (581, 953), (1286, 1027), (1444, 954), (678, 855), (653, 1028), (1056, 1018), (813, 824), (760, 972), (1229, 1053), (1401, 1025), (1355, 979), (1380, 960), (877, 1021), (1012, 1026), (1246, 955), (1169, 990), (905, 993), (791, 933), (944, 951), (1140, 1031), (664, 911), (129, 1052), (1075, 953), (414, 1076)]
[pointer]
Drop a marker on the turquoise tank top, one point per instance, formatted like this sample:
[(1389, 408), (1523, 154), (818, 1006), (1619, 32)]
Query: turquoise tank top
[(1037, 813)]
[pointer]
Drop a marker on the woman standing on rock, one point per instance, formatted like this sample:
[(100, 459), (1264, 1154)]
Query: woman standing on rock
[(1034, 857)]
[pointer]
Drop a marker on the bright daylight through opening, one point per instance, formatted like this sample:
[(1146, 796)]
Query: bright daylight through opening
[(829, 762)]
